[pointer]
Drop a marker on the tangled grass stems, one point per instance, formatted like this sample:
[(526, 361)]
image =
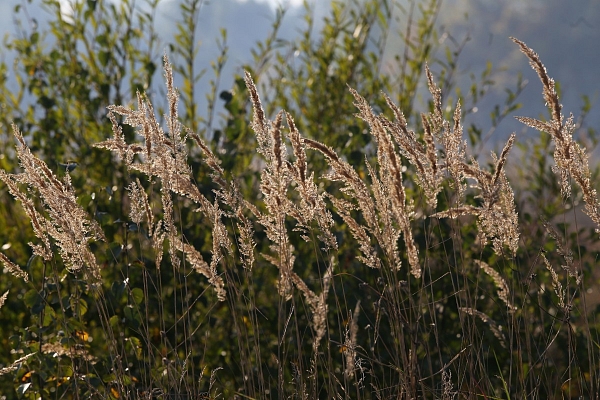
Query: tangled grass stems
[(309, 282)]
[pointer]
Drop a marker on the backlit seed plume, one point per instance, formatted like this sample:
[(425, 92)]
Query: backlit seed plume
[(274, 183), (312, 203), (497, 216), (3, 298), (195, 259), (317, 303), (15, 365), (67, 224), (558, 288), (277, 176), (140, 207), (230, 195), (350, 342), (163, 155), (570, 158), (390, 175), (501, 285), (13, 268)]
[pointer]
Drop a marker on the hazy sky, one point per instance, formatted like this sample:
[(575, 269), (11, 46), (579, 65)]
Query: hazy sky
[(566, 34)]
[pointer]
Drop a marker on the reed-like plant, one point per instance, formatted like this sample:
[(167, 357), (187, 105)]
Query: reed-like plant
[(302, 290)]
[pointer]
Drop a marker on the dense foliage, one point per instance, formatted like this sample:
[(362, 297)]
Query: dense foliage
[(347, 247)]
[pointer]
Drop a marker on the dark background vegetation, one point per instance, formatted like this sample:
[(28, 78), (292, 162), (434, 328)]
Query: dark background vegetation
[(171, 333)]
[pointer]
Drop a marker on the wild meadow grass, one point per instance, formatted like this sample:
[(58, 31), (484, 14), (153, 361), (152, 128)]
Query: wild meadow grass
[(406, 277)]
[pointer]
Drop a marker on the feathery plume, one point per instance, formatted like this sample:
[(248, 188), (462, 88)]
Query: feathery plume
[(570, 158), (164, 155), (15, 365), (139, 208), (3, 298), (312, 203), (13, 268), (350, 342), (503, 289), (561, 293), (391, 175), (195, 259), (68, 223), (497, 216), (317, 303), (274, 183)]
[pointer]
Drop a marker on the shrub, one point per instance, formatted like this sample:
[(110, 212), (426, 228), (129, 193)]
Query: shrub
[(398, 270)]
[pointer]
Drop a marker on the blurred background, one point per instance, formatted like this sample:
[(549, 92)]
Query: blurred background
[(565, 34), (72, 64)]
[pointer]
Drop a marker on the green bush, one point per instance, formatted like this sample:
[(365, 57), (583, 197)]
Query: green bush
[(348, 247)]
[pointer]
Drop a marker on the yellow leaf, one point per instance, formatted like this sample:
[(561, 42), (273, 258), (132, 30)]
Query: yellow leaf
[(27, 376), (82, 335)]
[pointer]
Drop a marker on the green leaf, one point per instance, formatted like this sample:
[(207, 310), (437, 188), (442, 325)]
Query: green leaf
[(49, 316), (226, 96), (34, 301), (114, 321), (109, 378), (104, 57), (134, 345), (102, 40), (137, 295), (23, 388), (46, 102), (132, 316), (79, 306)]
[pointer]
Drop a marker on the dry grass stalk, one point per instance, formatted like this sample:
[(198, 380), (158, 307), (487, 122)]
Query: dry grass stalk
[(13, 268), (448, 390), (15, 365), (388, 186), (386, 197), (139, 205), (165, 156), (3, 298), (195, 259), (229, 195), (317, 303), (376, 211), (312, 203), (565, 253), (220, 246), (503, 289), (561, 293), (497, 216), (571, 159), (276, 177), (359, 232), (455, 151), (564, 303), (68, 223), (354, 185), (58, 350), (493, 325), (422, 157), (350, 343), (498, 204), (275, 180)]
